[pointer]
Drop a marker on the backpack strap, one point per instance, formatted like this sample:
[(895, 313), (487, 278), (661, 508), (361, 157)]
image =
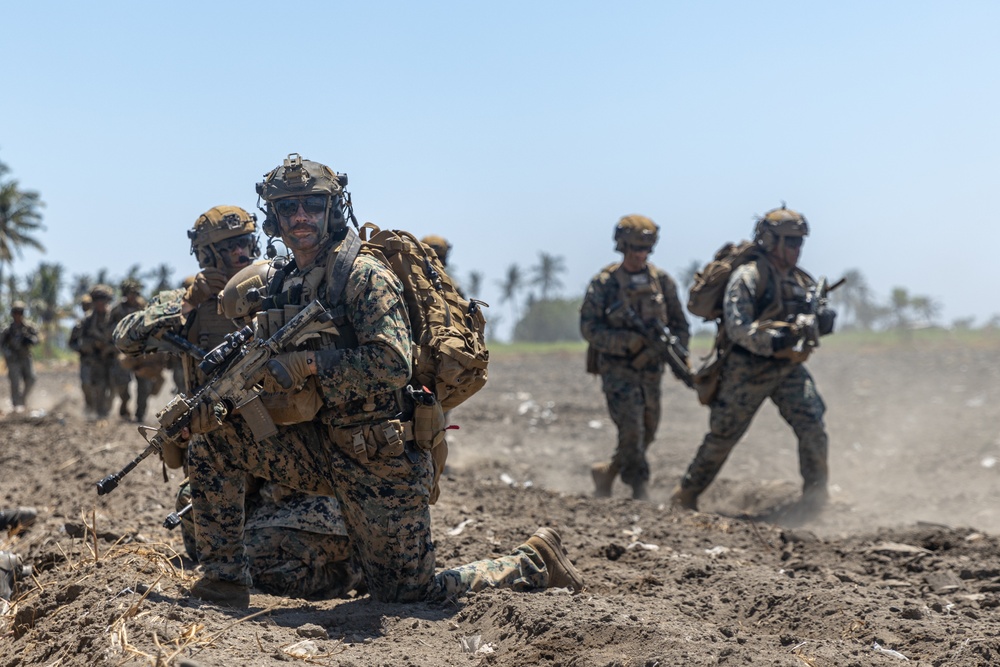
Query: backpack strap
[(338, 270)]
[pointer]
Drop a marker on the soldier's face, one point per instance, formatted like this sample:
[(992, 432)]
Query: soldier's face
[(300, 230), (236, 252), (635, 258), (100, 306), (786, 254)]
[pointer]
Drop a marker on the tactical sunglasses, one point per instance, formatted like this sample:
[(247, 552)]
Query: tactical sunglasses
[(793, 242), (312, 204), (242, 241)]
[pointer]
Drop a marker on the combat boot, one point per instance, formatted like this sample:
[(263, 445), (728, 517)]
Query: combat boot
[(684, 498), (11, 571), (604, 474), (639, 491), (22, 517), (224, 593), (548, 545)]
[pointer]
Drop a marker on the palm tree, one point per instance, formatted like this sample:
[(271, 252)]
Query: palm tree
[(687, 274), (545, 274), (43, 288), (926, 308), (160, 277), (19, 218), (900, 302), (475, 283), (81, 285), (511, 287)]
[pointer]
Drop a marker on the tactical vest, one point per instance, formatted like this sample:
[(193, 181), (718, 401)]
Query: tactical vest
[(206, 328), (292, 290), (642, 291), (96, 328)]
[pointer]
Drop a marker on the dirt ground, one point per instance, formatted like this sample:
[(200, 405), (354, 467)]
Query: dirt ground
[(904, 564)]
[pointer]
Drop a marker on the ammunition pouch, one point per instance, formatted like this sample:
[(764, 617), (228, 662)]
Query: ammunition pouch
[(295, 407), (172, 454), (707, 378), (428, 425), (592, 357), (369, 442)]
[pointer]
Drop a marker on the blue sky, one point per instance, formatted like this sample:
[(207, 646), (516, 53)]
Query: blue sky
[(518, 128)]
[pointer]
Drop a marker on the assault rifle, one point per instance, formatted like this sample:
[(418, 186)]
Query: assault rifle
[(663, 346), (235, 370), (807, 324)]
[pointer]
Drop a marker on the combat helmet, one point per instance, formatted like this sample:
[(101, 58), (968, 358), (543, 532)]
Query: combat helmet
[(778, 223), (244, 294), (213, 231), (130, 286), (636, 231), (439, 245), (101, 292), (300, 178)]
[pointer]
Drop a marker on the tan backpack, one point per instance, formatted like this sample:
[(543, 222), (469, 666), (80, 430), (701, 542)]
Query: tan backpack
[(449, 331), (449, 335), (705, 297)]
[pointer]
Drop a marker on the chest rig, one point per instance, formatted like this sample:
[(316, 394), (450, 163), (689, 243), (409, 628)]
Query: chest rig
[(643, 292)]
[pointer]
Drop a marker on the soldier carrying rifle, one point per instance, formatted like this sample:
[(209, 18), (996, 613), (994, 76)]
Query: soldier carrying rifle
[(773, 313), (635, 323)]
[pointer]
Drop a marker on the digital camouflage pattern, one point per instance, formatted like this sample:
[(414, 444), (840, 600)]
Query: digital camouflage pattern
[(353, 451), (98, 356), (16, 342), (751, 374), (633, 394), (121, 374), (296, 544)]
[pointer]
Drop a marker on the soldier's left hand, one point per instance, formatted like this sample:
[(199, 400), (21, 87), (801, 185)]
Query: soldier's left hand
[(287, 372)]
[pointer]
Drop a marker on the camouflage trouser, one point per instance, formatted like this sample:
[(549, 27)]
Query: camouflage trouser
[(120, 378), (384, 504), (144, 388), (634, 404), (746, 381), (287, 561), (95, 375), (21, 372)]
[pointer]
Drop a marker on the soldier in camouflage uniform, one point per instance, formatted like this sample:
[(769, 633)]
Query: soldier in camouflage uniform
[(86, 303), (765, 361), (16, 342), (297, 544), (122, 372), (98, 355), (630, 374), (352, 440)]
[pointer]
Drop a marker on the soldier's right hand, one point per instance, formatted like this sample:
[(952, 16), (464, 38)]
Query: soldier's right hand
[(634, 343), (783, 339)]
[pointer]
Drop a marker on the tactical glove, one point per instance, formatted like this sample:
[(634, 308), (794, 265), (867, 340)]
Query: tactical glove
[(824, 320), (287, 372), (207, 285), (204, 419), (783, 339), (634, 343)]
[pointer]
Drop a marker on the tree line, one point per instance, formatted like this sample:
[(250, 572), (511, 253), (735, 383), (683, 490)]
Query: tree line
[(531, 296)]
